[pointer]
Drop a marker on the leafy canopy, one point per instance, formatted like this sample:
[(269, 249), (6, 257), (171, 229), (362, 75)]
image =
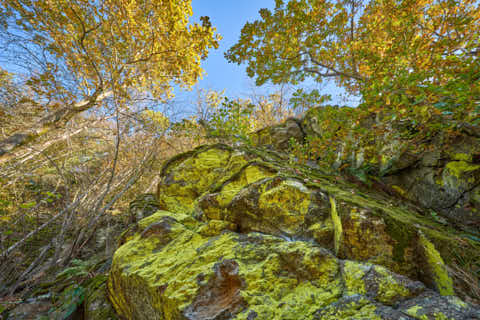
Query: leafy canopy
[(78, 54), (391, 52), (108, 44)]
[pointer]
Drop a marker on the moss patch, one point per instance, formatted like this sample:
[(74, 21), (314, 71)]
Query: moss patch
[(337, 225), (436, 267)]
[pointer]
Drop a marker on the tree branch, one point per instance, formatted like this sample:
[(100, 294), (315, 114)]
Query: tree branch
[(52, 121), (332, 69)]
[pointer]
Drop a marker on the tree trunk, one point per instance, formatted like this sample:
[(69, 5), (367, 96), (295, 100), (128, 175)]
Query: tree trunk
[(56, 120)]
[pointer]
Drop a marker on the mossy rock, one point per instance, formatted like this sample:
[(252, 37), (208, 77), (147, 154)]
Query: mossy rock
[(187, 176), (97, 306), (279, 136), (143, 206), (262, 197), (247, 235), (177, 272), (439, 173)]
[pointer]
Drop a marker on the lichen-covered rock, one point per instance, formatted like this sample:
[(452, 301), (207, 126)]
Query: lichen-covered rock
[(97, 306), (280, 135), (441, 174), (143, 206), (246, 235), (175, 272), (187, 176)]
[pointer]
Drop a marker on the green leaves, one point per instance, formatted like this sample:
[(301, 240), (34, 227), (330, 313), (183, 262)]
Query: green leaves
[(28, 205), (393, 53), (302, 100), (232, 119)]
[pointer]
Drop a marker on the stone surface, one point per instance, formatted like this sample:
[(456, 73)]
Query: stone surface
[(441, 174), (97, 306), (279, 136), (243, 234), (143, 206)]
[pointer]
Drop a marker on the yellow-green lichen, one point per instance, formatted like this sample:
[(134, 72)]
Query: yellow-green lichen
[(414, 311), (399, 190), (440, 316), (436, 267), (459, 168), (237, 160), (353, 273), (185, 180), (215, 227), (295, 278), (162, 278), (249, 174), (390, 290), (358, 309), (186, 219), (283, 279), (285, 205), (337, 225), (164, 270), (323, 232), (462, 157), (214, 205), (365, 238)]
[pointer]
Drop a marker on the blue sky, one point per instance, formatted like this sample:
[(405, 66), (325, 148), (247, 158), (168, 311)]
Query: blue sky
[(229, 16)]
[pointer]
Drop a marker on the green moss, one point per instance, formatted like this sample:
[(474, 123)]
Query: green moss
[(475, 195), (337, 225), (462, 157), (97, 305), (402, 234), (459, 168), (436, 267)]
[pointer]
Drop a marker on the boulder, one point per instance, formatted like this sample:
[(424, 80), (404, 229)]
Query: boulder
[(97, 306), (243, 234), (441, 173), (279, 136), (143, 206)]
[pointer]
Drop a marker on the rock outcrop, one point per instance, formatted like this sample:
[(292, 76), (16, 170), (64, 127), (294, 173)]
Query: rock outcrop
[(242, 233), (441, 173)]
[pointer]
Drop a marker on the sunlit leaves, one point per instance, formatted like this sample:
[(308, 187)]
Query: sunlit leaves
[(391, 52), (114, 44)]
